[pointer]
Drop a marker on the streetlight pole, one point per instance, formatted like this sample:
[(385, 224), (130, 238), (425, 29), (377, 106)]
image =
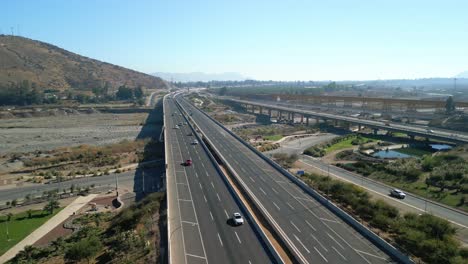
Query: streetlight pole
[(143, 178), (7, 231), (328, 184), (116, 185)]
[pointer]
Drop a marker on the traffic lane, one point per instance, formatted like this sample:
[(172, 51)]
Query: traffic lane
[(296, 210), (216, 193), (216, 249), (292, 203), (99, 181), (292, 226), (412, 201), (252, 251), (192, 239), (216, 216)]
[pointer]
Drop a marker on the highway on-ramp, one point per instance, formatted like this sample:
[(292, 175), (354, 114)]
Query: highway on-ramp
[(201, 205), (313, 233)]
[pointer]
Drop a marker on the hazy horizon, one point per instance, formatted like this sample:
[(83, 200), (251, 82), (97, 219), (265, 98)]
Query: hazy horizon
[(263, 40)]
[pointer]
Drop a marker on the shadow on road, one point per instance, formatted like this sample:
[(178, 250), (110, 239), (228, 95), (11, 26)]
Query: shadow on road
[(148, 177)]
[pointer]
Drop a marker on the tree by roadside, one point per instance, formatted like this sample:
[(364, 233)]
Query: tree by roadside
[(449, 105), (9, 216), (51, 206), (139, 92), (124, 93), (30, 212)]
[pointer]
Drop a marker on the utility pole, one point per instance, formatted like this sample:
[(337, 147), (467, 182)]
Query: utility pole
[(7, 231), (143, 186), (116, 185), (328, 184)]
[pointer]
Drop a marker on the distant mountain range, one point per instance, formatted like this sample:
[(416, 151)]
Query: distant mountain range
[(49, 66), (200, 76)]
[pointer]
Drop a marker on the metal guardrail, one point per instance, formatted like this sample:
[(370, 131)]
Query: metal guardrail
[(264, 239), (166, 155), (394, 253)]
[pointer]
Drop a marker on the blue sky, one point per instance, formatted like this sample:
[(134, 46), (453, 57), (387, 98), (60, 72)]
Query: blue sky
[(278, 40)]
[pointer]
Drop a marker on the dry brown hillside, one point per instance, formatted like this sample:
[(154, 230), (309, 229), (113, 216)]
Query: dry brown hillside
[(52, 67)]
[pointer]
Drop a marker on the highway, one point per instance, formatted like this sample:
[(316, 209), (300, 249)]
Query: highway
[(201, 206), (312, 232), (415, 130), (151, 179), (457, 217)]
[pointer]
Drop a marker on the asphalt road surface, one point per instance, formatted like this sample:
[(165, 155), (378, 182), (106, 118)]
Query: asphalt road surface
[(314, 233), (151, 177), (204, 205), (457, 217)]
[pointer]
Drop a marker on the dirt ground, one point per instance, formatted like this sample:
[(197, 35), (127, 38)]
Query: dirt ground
[(46, 133)]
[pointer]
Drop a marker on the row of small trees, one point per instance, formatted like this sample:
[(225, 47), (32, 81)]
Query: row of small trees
[(29, 93)]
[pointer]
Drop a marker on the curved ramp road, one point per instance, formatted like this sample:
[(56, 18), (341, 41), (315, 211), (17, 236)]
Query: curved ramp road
[(314, 233), (201, 206)]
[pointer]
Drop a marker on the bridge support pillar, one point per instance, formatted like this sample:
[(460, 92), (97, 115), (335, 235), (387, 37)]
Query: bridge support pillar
[(317, 120), (302, 119), (359, 127), (307, 121), (292, 117), (279, 116), (261, 110), (269, 113), (376, 131)]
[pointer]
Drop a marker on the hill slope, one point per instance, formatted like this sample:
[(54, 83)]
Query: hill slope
[(52, 67)]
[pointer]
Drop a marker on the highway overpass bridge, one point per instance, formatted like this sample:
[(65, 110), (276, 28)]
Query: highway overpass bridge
[(366, 103), (290, 113)]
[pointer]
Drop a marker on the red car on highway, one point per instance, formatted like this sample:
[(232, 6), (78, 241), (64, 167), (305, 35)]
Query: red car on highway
[(188, 162)]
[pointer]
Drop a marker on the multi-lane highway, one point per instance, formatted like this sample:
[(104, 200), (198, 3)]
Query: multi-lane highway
[(415, 130), (201, 206), (312, 232)]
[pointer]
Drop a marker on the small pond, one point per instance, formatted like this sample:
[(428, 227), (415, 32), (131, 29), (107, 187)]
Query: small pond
[(390, 154), (439, 147)]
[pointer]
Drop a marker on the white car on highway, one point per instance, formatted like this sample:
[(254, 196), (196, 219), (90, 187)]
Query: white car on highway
[(238, 219), (397, 193)]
